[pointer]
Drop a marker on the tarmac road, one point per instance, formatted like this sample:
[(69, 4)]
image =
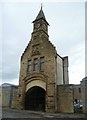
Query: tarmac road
[(13, 114)]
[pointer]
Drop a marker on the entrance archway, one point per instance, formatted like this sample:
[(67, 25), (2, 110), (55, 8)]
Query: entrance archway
[(35, 99)]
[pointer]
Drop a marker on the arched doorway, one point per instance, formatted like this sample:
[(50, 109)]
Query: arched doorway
[(35, 99)]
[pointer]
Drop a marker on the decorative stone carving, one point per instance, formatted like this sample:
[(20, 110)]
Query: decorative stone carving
[(35, 50)]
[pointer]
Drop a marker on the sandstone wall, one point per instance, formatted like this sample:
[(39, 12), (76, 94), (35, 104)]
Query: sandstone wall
[(65, 98), (14, 97), (6, 97)]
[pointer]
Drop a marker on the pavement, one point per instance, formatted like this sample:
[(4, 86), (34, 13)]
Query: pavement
[(12, 114)]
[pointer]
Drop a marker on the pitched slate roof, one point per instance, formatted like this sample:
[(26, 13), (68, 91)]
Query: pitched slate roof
[(40, 15)]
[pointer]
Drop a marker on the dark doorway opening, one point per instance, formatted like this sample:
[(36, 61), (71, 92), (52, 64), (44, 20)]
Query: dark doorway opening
[(35, 99)]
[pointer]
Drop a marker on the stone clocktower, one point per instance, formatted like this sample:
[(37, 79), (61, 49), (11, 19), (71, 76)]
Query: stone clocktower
[(41, 70)]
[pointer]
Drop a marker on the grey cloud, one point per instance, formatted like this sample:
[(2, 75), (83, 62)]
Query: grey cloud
[(9, 76), (17, 30)]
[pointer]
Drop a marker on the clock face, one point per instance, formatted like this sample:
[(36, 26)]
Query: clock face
[(37, 25), (44, 26)]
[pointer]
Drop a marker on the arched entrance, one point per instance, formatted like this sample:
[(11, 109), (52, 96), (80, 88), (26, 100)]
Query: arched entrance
[(35, 99)]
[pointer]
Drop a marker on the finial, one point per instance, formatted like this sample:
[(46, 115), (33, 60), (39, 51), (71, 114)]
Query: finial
[(41, 6)]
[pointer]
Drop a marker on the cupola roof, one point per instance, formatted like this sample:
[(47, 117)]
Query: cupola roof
[(40, 15)]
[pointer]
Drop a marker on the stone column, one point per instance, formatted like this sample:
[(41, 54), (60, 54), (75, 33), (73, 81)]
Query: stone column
[(21, 96), (50, 98)]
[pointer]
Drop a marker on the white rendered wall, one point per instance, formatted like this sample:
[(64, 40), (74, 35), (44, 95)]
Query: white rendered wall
[(59, 70), (66, 75)]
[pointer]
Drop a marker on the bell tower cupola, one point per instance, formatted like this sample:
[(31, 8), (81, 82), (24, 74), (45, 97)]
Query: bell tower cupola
[(40, 23)]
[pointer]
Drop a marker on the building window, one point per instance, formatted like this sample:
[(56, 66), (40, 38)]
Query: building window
[(42, 63), (79, 90), (35, 64), (29, 66)]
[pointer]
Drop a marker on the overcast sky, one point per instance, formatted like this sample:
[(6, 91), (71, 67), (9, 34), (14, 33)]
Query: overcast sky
[(66, 32)]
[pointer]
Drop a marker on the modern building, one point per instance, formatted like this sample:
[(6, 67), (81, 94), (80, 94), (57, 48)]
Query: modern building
[(43, 72), (84, 94)]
